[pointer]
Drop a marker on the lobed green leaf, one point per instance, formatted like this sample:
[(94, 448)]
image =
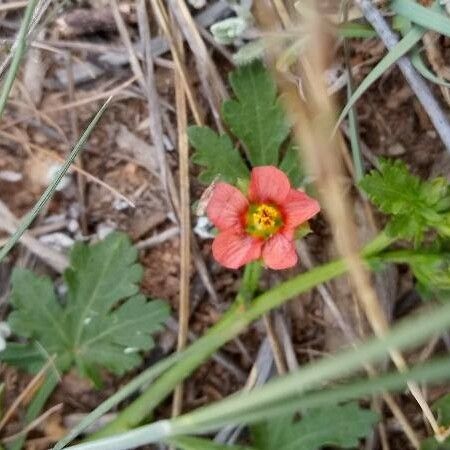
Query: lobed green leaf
[(335, 425), (217, 155), (255, 117)]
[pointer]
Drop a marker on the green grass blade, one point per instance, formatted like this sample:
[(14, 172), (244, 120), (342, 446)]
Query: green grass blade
[(48, 193), (420, 66), (403, 47), (290, 393), (429, 18), (143, 379), (18, 54)]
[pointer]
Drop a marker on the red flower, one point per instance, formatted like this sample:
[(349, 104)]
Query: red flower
[(261, 225)]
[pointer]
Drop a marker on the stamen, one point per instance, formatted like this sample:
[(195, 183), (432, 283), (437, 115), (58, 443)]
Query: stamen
[(263, 220)]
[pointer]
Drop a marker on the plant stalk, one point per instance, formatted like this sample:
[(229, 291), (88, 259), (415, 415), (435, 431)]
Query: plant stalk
[(233, 323)]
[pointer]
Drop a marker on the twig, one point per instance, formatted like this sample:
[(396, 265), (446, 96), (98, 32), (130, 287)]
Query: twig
[(35, 423), (275, 345), (93, 98), (154, 103), (9, 223), (158, 239), (417, 84), (215, 91), (74, 168), (185, 220), (31, 387), (163, 22)]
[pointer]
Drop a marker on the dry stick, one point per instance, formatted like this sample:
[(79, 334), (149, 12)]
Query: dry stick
[(158, 238), (73, 168), (316, 117), (275, 345), (31, 387), (35, 423), (9, 223), (161, 15), (93, 98), (155, 118), (416, 82), (215, 91), (185, 221), (13, 5)]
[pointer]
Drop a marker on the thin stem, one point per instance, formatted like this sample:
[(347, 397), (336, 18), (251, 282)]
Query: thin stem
[(232, 323)]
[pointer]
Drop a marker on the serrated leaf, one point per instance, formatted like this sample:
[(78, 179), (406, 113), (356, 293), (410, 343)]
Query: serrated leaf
[(335, 425), (217, 155), (290, 165), (91, 329), (98, 277), (256, 117), (414, 204), (194, 443), (114, 340), (37, 313), (442, 407), (25, 356)]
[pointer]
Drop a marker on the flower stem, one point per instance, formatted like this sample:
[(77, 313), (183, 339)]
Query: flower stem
[(250, 283), (233, 322)]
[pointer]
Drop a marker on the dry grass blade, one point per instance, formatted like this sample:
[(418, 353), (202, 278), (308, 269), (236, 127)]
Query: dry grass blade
[(32, 386), (42, 418), (54, 259), (74, 168), (93, 98), (313, 125), (185, 221), (163, 20), (215, 91)]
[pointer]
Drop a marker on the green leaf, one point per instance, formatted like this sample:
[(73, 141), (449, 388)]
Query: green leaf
[(256, 117), (341, 426), (98, 277), (25, 356), (290, 165), (218, 156), (91, 329), (114, 340), (37, 313), (194, 443), (420, 66), (442, 407), (414, 204), (433, 18)]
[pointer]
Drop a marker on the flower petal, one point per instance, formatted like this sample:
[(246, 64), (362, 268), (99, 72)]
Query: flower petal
[(298, 208), (279, 252), (233, 250), (268, 184), (226, 206)]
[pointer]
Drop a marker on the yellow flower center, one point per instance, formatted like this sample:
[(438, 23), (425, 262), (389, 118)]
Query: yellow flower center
[(263, 220)]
